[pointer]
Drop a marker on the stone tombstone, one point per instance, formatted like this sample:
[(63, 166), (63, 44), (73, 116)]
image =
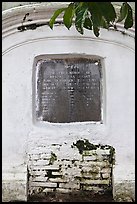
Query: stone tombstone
[(68, 90)]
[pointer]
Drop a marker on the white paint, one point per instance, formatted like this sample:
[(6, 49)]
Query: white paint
[(19, 51)]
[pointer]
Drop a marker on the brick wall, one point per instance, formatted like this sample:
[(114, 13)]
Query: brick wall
[(82, 168)]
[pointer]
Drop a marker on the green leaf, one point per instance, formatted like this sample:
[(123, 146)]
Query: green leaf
[(55, 15), (88, 23), (129, 19), (96, 31), (102, 14), (81, 14), (123, 12), (104, 23), (107, 10), (96, 15), (68, 15)]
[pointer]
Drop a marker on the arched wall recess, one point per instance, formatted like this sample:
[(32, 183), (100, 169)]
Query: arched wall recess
[(23, 139)]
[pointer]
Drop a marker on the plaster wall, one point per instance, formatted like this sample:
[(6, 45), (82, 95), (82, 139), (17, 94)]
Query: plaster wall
[(21, 135)]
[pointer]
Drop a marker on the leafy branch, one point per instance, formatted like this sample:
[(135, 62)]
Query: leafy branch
[(93, 16)]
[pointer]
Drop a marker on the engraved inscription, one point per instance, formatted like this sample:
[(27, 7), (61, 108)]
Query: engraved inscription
[(68, 90)]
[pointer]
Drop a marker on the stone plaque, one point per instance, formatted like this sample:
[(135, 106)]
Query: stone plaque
[(68, 90)]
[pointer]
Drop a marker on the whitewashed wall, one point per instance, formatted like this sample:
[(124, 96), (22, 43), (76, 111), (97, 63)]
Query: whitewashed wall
[(19, 51)]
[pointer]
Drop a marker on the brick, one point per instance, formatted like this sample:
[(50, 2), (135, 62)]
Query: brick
[(56, 173), (87, 164), (43, 184), (106, 175), (91, 188), (90, 158), (40, 163), (63, 190), (103, 164), (106, 170), (91, 175), (72, 171), (91, 169), (48, 190), (52, 167), (89, 152), (59, 180), (69, 185), (39, 178), (35, 173), (36, 168), (103, 151), (95, 181), (45, 156), (38, 173), (34, 156), (95, 163)]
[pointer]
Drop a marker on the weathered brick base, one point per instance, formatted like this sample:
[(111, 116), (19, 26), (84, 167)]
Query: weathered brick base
[(89, 169)]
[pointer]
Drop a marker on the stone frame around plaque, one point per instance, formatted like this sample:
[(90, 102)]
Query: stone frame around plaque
[(73, 115)]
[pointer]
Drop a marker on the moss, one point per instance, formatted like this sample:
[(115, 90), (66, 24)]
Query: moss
[(52, 158), (84, 145)]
